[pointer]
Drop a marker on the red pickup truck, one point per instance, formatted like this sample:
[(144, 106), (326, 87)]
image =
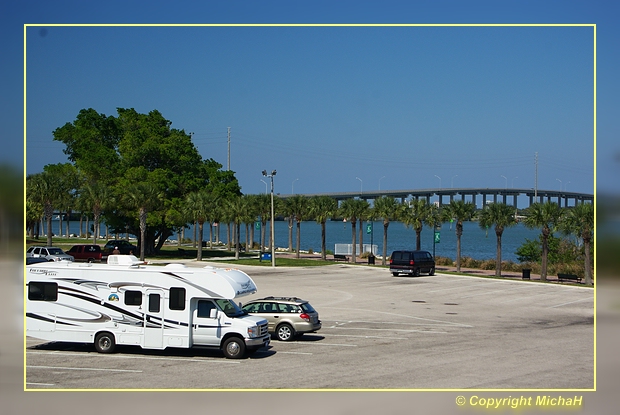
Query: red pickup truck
[(88, 253)]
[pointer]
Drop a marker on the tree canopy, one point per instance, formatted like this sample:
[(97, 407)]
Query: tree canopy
[(132, 148)]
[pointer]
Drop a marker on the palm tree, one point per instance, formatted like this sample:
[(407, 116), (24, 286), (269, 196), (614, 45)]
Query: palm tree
[(352, 209), (144, 197), (386, 208), (96, 197), (416, 214), (237, 208), (579, 221), (263, 209), (460, 211), (197, 205), (546, 216), (42, 188), (298, 206), (321, 209), (502, 216)]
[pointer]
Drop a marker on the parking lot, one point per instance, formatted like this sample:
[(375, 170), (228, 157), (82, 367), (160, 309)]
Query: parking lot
[(379, 332)]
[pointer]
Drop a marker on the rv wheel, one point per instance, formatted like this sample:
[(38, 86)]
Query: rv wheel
[(234, 348), (104, 343)]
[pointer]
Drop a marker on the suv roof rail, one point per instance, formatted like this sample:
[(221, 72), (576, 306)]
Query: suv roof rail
[(271, 297)]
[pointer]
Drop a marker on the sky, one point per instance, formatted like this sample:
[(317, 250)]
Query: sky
[(336, 109)]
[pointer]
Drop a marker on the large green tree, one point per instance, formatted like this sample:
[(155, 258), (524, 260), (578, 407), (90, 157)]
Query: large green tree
[(132, 148), (415, 214)]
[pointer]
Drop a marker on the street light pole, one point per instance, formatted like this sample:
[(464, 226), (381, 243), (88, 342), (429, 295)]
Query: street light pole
[(361, 188), (271, 236), (506, 180), (439, 181), (293, 186)]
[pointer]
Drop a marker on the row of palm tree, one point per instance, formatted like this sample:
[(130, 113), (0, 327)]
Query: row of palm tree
[(45, 193)]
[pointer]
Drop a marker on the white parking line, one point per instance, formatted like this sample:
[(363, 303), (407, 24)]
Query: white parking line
[(193, 359), (366, 337), (83, 368), (572, 302), (40, 384)]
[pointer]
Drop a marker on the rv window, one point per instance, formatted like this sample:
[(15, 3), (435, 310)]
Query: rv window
[(204, 308), (42, 291), (177, 299), (154, 303), (133, 298)]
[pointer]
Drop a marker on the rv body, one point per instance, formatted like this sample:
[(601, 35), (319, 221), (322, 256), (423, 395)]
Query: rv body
[(126, 302)]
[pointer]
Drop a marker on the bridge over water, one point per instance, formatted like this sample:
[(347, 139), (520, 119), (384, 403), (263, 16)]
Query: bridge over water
[(474, 195)]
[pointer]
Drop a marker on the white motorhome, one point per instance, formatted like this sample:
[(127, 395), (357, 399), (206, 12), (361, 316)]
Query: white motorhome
[(126, 302)]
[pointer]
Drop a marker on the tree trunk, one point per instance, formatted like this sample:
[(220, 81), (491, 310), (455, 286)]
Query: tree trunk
[(323, 253), (545, 254), (385, 233), (200, 226), (498, 255), (298, 238), (238, 235), (361, 242), (290, 234), (353, 252), (459, 232), (587, 267)]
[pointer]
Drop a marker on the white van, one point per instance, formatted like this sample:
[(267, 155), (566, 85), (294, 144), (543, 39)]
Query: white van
[(127, 302)]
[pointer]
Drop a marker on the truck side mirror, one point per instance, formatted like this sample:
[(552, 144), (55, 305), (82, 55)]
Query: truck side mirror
[(213, 313)]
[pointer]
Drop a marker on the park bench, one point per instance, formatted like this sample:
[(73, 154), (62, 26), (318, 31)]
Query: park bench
[(568, 277), (339, 257)]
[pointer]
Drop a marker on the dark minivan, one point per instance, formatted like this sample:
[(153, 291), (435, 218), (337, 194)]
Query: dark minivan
[(412, 262)]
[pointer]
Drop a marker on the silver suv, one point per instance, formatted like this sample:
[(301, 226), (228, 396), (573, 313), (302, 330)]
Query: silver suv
[(48, 252), (288, 317)]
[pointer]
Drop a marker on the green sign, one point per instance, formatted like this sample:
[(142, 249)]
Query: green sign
[(257, 226), (437, 237), (369, 228)]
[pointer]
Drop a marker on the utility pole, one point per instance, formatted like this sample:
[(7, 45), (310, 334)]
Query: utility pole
[(228, 149), (536, 176)]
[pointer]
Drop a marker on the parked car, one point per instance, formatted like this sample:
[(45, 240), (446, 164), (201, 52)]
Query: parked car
[(412, 262), (50, 253), (123, 246), (88, 253), (32, 260), (288, 317)]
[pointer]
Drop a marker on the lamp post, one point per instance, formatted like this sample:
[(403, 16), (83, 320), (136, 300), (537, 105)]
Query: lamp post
[(293, 186), (505, 180), (265, 185), (361, 189), (560, 184), (439, 181), (271, 236)]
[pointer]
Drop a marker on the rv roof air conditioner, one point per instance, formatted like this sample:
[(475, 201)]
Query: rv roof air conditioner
[(123, 260)]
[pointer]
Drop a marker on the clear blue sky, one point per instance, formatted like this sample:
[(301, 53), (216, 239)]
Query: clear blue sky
[(396, 107)]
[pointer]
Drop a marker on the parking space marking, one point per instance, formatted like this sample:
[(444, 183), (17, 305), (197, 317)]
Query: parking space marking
[(367, 337), (400, 330), (571, 302), (83, 368), (204, 359), (40, 384), (280, 351)]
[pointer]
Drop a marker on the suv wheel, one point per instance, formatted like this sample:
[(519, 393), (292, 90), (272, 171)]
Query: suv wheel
[(285, 332)]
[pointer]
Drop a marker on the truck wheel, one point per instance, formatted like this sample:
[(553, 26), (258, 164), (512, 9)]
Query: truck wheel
[(416, 273), (432, 271), (105, 343), (395, 274), (233, 348), (285, 332)]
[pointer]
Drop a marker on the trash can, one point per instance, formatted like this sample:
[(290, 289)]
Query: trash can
[(371, 259), (526, 273)]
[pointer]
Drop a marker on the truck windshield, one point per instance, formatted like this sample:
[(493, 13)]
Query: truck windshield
[(230, 308)]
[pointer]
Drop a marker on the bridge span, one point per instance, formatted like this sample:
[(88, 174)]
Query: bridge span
[(474, 195)]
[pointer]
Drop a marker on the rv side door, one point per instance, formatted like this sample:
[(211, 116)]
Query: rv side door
[(206, 324)]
